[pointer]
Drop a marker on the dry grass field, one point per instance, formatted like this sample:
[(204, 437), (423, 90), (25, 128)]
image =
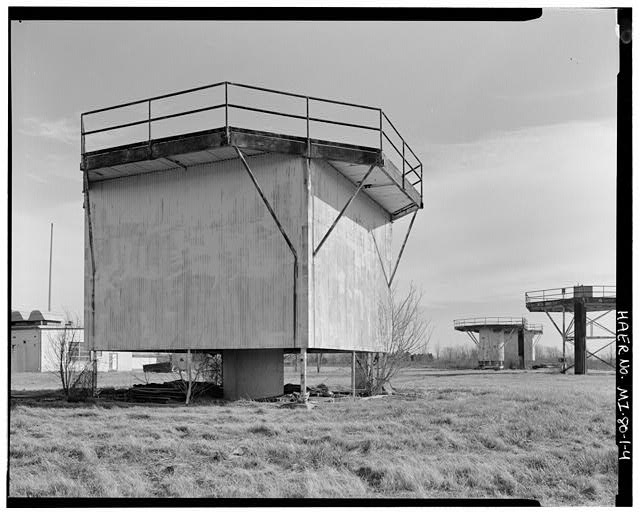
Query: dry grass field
[(536, 435)]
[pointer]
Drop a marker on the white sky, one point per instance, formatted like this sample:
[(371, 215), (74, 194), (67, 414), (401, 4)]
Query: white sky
[(514, 122)]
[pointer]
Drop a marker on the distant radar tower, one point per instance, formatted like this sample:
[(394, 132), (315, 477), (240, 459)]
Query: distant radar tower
[(578, 300), (502, 341)]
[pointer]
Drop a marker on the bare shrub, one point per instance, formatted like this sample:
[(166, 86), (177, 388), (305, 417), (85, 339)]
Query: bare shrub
[(73, 366), (409, 334), (200, 370)]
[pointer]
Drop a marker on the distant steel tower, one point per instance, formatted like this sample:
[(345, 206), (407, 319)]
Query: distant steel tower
[(578, 300), (246, 221), (502, 341)]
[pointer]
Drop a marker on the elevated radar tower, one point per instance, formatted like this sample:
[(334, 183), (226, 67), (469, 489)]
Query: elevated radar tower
[(502, 341), (578, 300)]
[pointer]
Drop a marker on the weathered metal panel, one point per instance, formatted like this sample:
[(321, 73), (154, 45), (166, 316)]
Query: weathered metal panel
[(25, 350), (491, 345), (192, 259), (511, 356), (351, 293), (529, 349)]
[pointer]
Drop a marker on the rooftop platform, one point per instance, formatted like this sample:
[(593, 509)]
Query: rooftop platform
[(395, 182), (598, 298), (475, 324)]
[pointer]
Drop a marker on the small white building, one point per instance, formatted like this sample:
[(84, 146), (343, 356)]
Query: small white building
[(36, 334)]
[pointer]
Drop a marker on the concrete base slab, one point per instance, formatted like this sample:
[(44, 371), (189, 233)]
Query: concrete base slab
[(252, 373)]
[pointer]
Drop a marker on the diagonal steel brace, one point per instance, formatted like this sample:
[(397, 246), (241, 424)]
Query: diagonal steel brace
[(285, 236), (360, 185), (375, 243), (404, 243)]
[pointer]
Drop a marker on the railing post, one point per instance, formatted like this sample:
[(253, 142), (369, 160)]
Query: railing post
[(226, 110), (403, 164), (82, 139), (149, 128), (308, 136), (380, 110)]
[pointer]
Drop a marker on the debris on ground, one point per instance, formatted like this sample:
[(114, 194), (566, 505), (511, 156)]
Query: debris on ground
[(43, 395), (320, 390), (160, 367), (239, 451), (168, 392)]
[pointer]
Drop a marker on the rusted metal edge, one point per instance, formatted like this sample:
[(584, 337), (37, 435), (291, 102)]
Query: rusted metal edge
[(245, 138)]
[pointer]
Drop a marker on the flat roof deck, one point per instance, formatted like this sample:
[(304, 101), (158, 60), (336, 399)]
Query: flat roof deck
[(598, 298), (395, 184), (475, 324)]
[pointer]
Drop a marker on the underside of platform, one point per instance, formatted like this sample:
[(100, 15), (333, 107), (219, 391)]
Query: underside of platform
[(384, 185), (476, 324), (495, 327), (591, 304)]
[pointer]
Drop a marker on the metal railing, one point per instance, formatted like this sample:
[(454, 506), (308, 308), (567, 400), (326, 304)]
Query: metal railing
[(558, 294), (411, 165), (496, 321)]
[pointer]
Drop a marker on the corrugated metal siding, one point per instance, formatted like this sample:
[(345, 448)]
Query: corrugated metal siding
[(192, 259), (511, 358), (351, 292)]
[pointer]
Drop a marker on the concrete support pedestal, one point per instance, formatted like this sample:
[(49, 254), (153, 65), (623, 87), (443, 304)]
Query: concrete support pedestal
[(363, 368), (252, 373), (580, 336)]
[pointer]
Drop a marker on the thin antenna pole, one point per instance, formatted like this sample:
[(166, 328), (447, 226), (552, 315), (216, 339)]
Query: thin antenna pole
[(50, 262)]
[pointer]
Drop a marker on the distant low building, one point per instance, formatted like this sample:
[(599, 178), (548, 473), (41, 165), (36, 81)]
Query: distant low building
[(33, 341)]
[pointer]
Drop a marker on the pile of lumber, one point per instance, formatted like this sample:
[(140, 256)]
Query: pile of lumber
[(44, 395), (168, 392), (320, 390), (160, 367)]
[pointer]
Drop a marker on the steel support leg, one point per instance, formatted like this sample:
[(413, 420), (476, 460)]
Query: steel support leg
[(94, 373), (92, 307), (303, 375), (564, 342), (353, 374)]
